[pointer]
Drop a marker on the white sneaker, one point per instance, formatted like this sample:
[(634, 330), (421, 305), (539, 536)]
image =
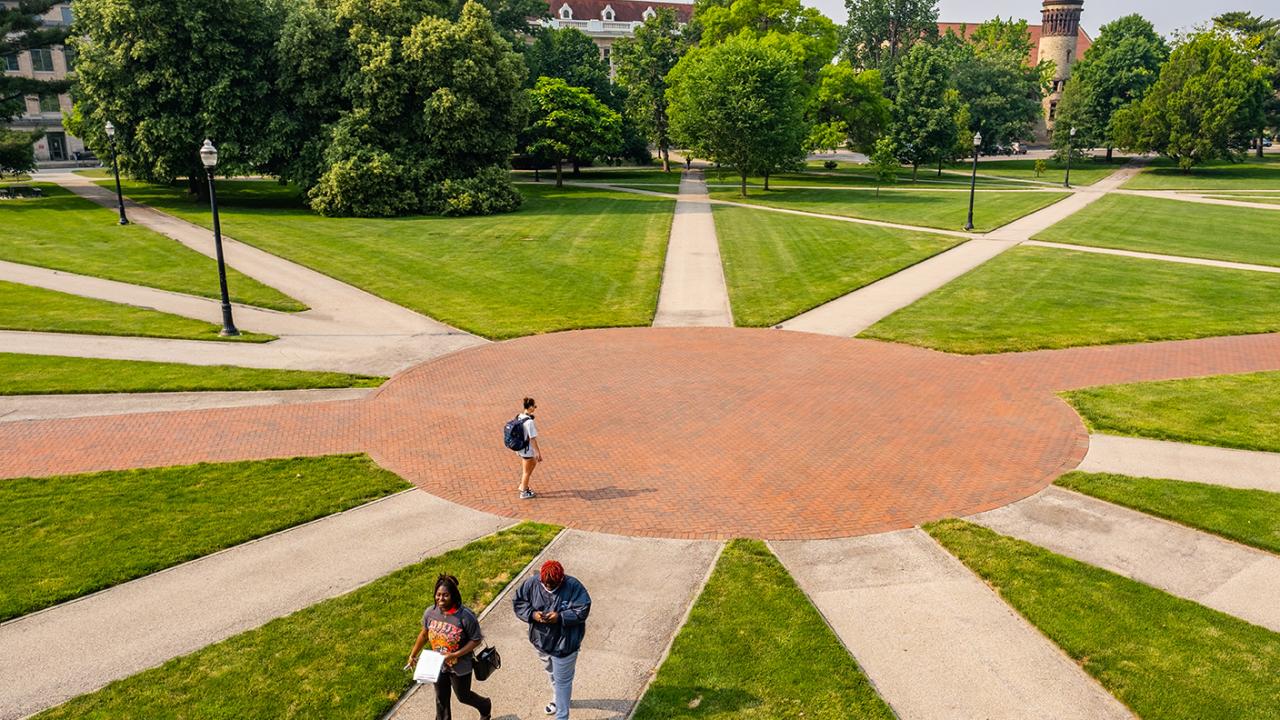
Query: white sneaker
[(550, 709)]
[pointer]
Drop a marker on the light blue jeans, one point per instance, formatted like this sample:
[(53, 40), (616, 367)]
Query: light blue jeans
[(560, 673)]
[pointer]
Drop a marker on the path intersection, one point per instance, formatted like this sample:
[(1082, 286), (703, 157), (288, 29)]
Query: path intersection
[(661, 443)]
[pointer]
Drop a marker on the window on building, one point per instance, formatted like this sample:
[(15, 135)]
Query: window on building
[(9, 62), (648, 13), (69, 57), (1053, 110), (49, 104), (566, 12), (607, 14), (604, 54), (42, 60), (67, 17)]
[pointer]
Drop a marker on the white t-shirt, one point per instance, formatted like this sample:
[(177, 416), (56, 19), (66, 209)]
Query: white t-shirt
[(530, 432)]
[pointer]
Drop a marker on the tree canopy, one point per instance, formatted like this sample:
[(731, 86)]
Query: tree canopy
[(880, 32), (1001, 93), (925, 108), (569, 122), (850, 109), (642, 63), (1260, 37)]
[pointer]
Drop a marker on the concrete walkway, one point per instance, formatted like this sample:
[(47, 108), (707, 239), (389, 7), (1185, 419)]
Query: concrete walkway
[(1158, 256), (1203, 199), (640, 590), (936, 642), (79, 646), (1140, 457), (693, 291), (1028, 226), (1217, 573), (49, 407)]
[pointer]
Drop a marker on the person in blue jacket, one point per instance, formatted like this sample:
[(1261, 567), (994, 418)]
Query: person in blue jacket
[(555, 606)]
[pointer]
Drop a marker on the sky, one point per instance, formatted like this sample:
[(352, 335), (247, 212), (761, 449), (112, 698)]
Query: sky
[(1167, 15)]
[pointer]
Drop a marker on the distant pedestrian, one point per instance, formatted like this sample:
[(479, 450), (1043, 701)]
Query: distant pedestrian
[(452, 630), (530, 454), (556, 607)]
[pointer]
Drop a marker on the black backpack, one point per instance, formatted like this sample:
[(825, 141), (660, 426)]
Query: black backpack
[(513, 435)]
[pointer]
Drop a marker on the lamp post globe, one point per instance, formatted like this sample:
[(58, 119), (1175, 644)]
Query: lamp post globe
[(973, 181), (209, 158), (1070, 149), (110, 129)]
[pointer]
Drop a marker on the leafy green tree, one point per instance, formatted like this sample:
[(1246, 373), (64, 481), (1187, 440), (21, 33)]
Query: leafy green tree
[(1207, 103), (569, 122), (850, 109), (510, 17), (924, 110), (880, 32), (642, 63), (740, 103), (1261, 39), (170, 73), (1001, 93), (804, 33), (1122, 65), (568, 54), (884, 162)]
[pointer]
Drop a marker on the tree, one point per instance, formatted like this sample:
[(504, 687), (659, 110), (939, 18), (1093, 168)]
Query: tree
[(569, 122), (1001, 93), (642, 63), (879, 32), (850, 109), (804, 33), (740, 103), (884, 161), (170, 73), (1261, 39), (924, 110), (1121, 66), (1207, 103), (568, 54)]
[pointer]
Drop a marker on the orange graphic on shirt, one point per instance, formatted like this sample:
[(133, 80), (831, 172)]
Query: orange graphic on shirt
[(444, 637)]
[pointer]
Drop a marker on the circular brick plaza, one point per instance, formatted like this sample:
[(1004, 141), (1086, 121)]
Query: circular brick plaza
[(721, 433)]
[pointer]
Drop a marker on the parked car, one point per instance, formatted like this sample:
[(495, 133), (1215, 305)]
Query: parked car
[(1019, 149)]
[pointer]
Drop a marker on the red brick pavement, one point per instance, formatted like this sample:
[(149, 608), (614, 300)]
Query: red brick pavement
[(683, 432)]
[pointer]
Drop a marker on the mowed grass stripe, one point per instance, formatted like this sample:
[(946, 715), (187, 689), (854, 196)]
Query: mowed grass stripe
[(778, 266), (340, 658), (1173, 227), (67, 536), (1250, 517), (1032, 298), (1252, 174), (33, 309), (64, 232), (1236, 411), (1165, 657), (755, 648), (50, 374)]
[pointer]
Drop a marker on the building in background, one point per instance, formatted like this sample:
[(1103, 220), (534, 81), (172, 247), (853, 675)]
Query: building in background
[(604, 21), (44, 112)]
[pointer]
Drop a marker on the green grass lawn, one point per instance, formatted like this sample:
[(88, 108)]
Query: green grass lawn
[(778, 266), (571, 258), (63, 537), (340, 658), (1254, 174), (1174, 227), (1265, 200), (856, 176), (1237, 411), (1251, 517), (755, 648), (64, 232), (23, 307), (1164, 657), (1031, 298), (945, 210), (49, 374), (1085, 172)]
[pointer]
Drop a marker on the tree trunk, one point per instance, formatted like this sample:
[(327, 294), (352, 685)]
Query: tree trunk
[(666, 161), (1261, 135), (577, 167), (198, 185), (877, 191), (915, 170), (766, 181), (939, 167), (536, 178), (559, 174), (743, 189), (1109, 149)]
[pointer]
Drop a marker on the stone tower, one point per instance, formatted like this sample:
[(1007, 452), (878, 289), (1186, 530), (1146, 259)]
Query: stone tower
[(1058, 42)]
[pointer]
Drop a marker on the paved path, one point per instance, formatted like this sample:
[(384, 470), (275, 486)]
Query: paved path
[(845, 218), (1028, 226), (1192, 197), (1140, 457), (1220, 574), (627, 631), (48, 407), (1157, 256), (934, 639), (693, 290), (79, 646)]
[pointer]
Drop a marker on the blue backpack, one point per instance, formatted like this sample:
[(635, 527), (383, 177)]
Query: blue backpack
[(513, 435)]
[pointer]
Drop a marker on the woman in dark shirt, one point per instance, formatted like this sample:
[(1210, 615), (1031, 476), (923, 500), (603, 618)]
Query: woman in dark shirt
[(453, 631)]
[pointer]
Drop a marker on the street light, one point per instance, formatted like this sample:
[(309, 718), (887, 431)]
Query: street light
[(209, 157), (115, 169), (973, 182), (1070, 143)]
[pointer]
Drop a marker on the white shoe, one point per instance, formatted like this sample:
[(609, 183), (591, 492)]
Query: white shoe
[(550, 709)]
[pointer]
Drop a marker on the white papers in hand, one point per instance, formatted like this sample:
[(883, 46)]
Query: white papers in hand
[(429, 664)]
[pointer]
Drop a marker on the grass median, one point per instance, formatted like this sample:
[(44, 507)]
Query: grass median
[(1250, 517), (754, 648), (51, 374), (1165, 657), (67, 536), (340, 658), (1251, 174)]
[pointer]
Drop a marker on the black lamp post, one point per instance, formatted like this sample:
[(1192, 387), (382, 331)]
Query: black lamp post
[(209, 157), (1070, 147), (115, 169), (973, 182)]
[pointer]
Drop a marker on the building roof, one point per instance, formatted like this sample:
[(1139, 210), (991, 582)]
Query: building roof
[(623, 10), (1083, 41)]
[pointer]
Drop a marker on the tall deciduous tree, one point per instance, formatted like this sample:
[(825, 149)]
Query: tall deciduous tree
[(1206, 104), (642, 63), (1123, 63), (569, 122), (740, 103), (880, 32), (924, 110), (170, 73), (803, 32), (1001, 92), (568, 54), (1260, 37), (850, 109)]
